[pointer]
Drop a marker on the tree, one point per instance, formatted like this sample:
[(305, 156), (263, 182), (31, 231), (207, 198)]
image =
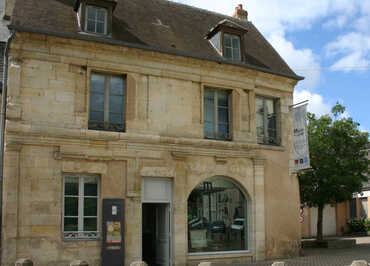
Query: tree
[(338, 155)]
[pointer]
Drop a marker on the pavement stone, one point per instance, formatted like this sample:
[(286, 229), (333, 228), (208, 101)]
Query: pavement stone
[(327, 257)]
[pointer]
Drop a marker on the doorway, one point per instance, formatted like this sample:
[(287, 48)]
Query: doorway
[(156, 234)]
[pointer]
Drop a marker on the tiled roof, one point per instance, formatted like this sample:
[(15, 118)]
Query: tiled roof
[(158, 25)]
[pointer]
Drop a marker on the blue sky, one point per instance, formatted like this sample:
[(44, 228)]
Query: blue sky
[(326, 41)]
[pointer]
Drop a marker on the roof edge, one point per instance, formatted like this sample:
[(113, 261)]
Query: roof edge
[(84, 37)]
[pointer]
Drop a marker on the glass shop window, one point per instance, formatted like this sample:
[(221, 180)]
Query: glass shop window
[(217, 217)]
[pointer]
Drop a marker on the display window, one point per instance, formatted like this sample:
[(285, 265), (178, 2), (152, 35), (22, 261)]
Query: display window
[(217, 217)]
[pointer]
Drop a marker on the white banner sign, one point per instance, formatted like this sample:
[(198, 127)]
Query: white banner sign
[(301, 150)]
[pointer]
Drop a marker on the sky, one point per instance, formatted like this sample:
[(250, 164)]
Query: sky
[(326, 41)]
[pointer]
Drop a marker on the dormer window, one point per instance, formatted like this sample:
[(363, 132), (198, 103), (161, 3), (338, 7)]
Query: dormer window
[(232, 47), (95, 16), (227, 39), (96, 19)]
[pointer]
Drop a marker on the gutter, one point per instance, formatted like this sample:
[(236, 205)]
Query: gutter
[(105, 40), (2, 126)]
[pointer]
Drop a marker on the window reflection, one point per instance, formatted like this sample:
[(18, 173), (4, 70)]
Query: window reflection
[(217, 217)]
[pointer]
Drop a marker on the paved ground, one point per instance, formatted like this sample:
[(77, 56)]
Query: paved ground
[(329, 257)]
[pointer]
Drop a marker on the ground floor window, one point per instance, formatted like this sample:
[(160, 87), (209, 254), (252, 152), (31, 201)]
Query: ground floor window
[(80, 210), (364, 211), (217, 217)]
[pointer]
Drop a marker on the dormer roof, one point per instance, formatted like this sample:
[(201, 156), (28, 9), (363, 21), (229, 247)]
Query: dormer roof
[(226, 23), (156, 25)]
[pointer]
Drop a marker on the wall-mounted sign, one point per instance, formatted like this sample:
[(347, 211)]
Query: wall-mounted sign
[(113, 248), (114, 232), (301, 149)]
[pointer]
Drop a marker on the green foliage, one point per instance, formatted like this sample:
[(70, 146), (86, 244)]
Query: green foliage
[(358, 225), (338, 154)]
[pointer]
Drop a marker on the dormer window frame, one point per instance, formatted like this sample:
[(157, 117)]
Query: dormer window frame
[(81, 9), (233, 32), (224, 29)]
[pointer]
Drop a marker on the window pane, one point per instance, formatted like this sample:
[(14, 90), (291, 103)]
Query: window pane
[(91, 187), (216, 217), (90, 26), (100, 27), (209, 111), (90, 206), (115, 104), (260, 124), (116, 85), (236, 42), (236, 54), (209, 130), (97, 116), (97, 101), (91, 13), (70, 206), (269, 106), (259, 105), (97, 82), (228, 52), (223, 98), (90, 224), (101, 15), (70, 224), (71, 186), (223, 131), (227, 40), (115, 118), (223, 115)]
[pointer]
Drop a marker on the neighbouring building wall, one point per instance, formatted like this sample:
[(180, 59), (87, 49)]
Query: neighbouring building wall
[(47, 137)]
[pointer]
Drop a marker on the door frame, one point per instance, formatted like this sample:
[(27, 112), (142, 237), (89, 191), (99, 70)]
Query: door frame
[(169, 201)]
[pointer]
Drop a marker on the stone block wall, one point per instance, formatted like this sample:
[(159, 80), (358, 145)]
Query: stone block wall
[(47, 135)]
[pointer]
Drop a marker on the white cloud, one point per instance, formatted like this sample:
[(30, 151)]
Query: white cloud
[(352, 51), (336, 22), (316, 102)]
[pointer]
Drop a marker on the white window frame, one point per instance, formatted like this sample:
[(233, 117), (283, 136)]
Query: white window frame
[(216, 118), (96, 19), (107, 94), (232, 37), (81, 234), (266, 139)]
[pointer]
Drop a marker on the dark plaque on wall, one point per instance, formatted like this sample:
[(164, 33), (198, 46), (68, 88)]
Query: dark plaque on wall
[(113, 248)]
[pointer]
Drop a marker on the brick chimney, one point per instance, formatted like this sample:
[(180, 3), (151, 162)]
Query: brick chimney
[(240, 13)]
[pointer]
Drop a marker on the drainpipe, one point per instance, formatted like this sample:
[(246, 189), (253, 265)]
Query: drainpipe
[(2, 126)]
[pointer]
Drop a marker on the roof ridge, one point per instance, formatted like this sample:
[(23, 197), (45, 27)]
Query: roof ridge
[(198, 8)]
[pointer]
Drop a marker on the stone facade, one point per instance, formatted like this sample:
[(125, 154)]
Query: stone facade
[(47, 135)]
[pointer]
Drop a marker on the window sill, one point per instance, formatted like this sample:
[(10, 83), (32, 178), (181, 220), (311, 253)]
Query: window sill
[(220, 254), (81, 239), (108, 36), (273, 147)]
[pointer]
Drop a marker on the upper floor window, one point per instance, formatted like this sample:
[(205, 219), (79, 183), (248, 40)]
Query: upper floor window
[(232, 47), (227, 37), (216, 114), (80, 210), (107, 102), (95, 16), (267, 120), (96, 19)]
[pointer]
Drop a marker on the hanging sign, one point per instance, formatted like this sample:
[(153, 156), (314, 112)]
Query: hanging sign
[(301, 149)]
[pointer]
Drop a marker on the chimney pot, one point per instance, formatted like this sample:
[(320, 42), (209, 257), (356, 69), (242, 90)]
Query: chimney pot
[(240, 13)]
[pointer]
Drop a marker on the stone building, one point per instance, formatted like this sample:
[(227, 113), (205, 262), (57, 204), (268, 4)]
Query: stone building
[(180, 114)]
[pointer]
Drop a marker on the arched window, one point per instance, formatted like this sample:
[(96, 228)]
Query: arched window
[(217, 217)]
